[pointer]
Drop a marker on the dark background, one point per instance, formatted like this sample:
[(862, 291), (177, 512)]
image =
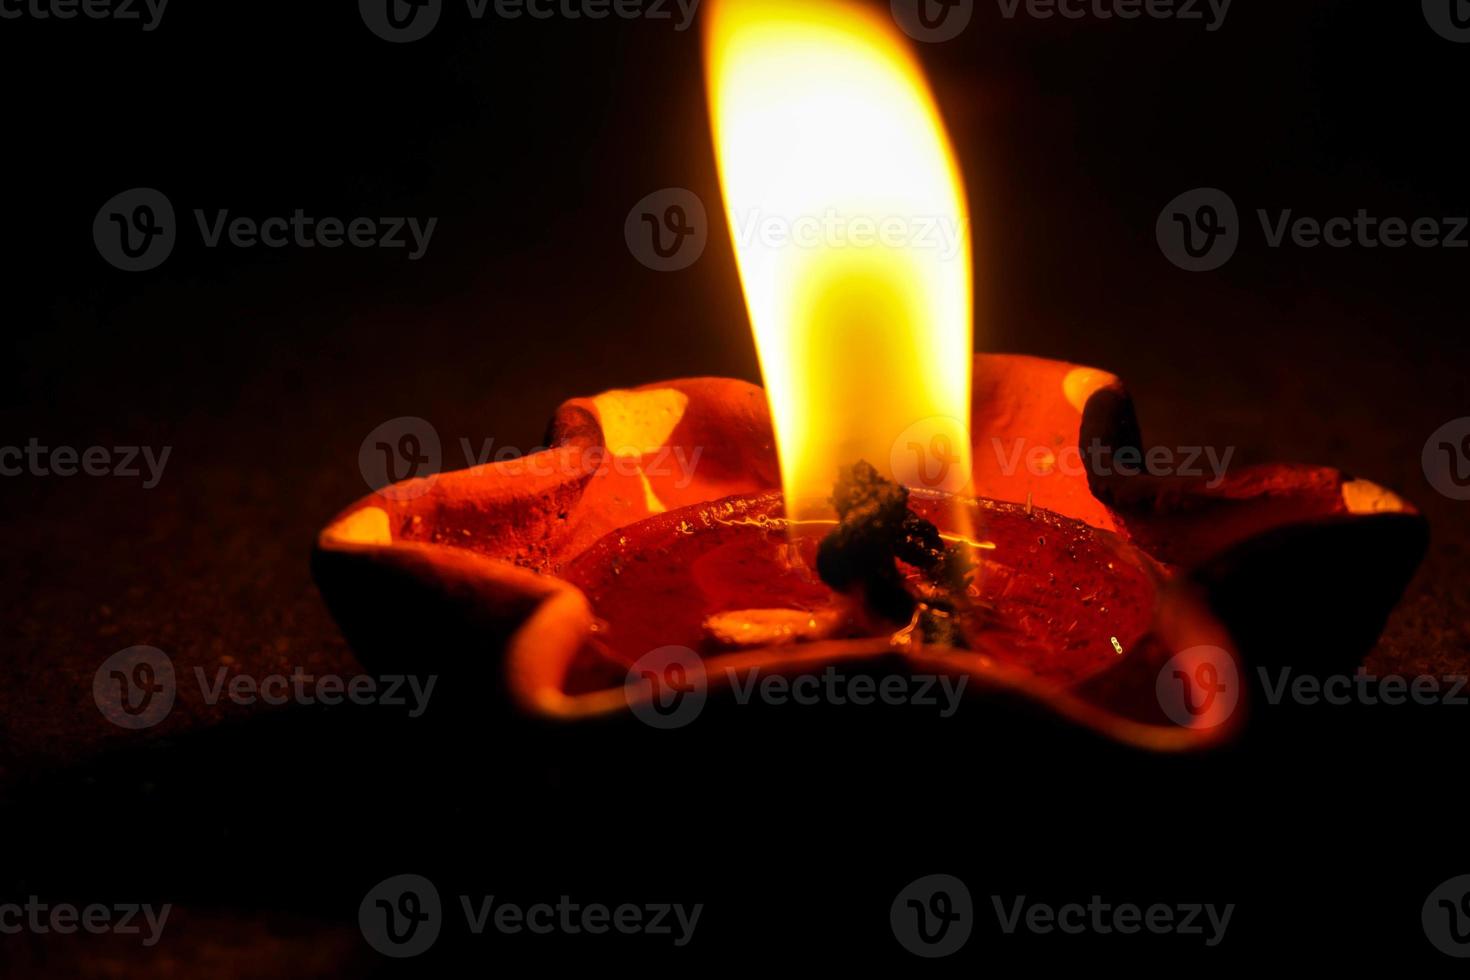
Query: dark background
[(530, 141)]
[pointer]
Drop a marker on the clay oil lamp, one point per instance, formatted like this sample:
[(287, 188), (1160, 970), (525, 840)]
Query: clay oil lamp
[(852, 512)]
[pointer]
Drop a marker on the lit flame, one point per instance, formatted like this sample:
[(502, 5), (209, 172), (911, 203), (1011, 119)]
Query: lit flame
[(852, 237)]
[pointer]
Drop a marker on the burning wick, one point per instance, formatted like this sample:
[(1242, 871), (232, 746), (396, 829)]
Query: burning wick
[(822, 119), (876, 530), (863, 316)]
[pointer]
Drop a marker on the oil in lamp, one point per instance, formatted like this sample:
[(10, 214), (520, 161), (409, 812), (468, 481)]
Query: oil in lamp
[(820, 508)]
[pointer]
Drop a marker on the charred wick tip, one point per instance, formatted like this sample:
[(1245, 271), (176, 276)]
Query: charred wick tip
[(876, 529)]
